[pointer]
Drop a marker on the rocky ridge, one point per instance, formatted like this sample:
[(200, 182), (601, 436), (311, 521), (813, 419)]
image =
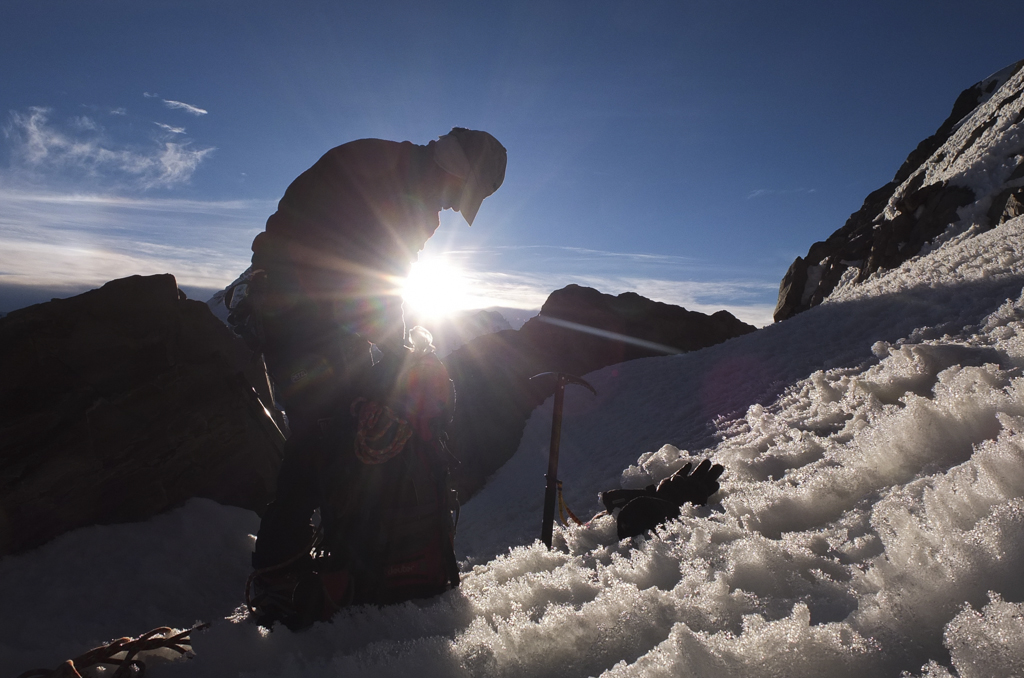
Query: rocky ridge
[(121, 403), (971, 167)]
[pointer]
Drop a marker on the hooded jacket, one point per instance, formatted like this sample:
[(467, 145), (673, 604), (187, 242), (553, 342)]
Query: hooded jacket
[(352, 224)]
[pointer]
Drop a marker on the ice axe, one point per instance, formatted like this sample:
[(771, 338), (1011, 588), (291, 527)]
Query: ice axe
[(551, 492)]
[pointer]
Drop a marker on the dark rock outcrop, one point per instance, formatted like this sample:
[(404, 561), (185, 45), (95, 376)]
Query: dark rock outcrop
[(578, 331), (916, 207), (1009, 202), (122, 402)]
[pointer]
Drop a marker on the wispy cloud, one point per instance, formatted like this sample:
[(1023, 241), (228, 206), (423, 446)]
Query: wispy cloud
[(85, 123), (80, 240), (78, 212), (765, 192), (584, 252), (188, 108), (582, 261), (168, 128), (153, 205), (514, 289), (41, 149)]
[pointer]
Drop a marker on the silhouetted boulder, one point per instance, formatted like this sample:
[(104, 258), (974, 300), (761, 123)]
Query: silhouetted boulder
[(122, 402), (579, 330)]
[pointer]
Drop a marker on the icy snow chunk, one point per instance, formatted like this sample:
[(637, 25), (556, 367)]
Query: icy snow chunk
[(986, 644), (787, 647), (652, 467), (989, 644)]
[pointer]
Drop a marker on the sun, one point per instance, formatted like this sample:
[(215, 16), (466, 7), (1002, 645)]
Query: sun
[(436, 288)]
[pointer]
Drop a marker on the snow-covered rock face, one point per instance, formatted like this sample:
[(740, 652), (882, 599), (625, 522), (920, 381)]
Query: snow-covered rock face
[(969, 175)]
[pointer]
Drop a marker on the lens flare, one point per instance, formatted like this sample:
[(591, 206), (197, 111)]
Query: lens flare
[(435, 288)]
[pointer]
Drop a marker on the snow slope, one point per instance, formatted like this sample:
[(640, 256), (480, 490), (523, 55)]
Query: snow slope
[(871, 519)]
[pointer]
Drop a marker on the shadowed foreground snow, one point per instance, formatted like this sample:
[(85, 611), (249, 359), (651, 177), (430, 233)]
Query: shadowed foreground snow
[(871, 520)]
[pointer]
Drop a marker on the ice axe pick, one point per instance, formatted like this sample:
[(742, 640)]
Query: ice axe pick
[(551, 491)]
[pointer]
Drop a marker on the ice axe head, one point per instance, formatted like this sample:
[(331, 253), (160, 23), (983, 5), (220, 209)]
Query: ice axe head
[(562, 378)]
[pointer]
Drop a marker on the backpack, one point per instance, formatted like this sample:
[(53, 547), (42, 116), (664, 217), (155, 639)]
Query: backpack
[(389, 511)]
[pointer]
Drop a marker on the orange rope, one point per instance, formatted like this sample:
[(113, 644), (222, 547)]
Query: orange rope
[(564, 509)]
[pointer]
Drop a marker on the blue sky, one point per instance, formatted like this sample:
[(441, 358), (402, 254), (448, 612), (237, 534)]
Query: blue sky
[(685, 150)]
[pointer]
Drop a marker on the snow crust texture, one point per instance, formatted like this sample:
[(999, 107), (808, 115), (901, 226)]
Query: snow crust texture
[(870, 522)]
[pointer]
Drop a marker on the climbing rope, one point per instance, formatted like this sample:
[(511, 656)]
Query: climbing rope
[(157, 639), (563, 509)]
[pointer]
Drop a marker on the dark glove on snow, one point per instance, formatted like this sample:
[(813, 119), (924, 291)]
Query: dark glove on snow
[(679, 488), (695, 488), (616, 499), (643, 514), (645, 509)]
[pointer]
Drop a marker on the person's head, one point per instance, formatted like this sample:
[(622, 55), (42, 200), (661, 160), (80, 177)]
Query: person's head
[(478, 160)]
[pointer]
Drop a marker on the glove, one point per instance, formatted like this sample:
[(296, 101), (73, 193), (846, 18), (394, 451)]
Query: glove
[(616, 499), (645, 509), (683, 486), (642, 514)]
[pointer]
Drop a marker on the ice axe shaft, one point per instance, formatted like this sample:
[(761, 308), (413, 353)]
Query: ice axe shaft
[(551, 491)]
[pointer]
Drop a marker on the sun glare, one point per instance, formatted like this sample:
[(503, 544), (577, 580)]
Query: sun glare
[(436, 288)]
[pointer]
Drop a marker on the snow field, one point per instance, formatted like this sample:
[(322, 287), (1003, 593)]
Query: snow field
[(861, 511)]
